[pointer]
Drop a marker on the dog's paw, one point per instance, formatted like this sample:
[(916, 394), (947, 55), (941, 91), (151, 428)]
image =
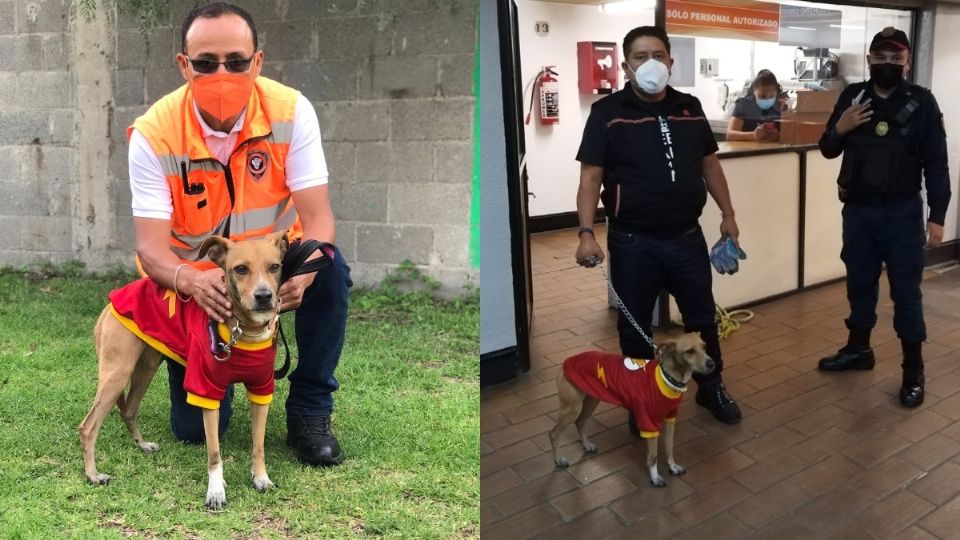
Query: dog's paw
[(149, 447), (216, 500), (562, 462), (658, 482), (590, 448), (216, 491), (100, 480), (263, 483), (677, 470)]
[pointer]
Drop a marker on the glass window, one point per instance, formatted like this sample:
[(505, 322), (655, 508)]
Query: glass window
[(814, 45)]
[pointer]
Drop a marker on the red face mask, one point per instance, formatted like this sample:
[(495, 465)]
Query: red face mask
[(222, 95)]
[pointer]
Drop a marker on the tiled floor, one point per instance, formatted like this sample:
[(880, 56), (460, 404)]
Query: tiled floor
[(817, 455)]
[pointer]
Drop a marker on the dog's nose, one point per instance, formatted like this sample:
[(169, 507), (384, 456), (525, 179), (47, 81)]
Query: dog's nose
[(710, 364), (263, 296)]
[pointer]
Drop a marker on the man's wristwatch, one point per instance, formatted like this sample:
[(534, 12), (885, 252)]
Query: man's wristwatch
[(585, 230)]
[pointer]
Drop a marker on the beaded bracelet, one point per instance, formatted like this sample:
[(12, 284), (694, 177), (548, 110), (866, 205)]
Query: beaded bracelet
[(176, 274)]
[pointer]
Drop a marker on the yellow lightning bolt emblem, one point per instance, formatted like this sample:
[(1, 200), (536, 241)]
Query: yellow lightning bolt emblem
[(601, 375), (171, 299)]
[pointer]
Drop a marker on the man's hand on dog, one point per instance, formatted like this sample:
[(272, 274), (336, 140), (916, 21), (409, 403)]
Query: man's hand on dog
[(589, 252), (208, 290), (291, 292)]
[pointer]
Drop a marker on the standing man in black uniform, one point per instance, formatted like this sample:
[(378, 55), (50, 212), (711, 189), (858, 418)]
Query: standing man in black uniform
[(891, 135), (652, 150)]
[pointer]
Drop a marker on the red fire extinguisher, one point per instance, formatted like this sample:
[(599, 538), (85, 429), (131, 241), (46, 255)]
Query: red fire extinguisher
[(549, 88)]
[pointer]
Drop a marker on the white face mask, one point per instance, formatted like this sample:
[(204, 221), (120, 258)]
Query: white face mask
[(651, 76)]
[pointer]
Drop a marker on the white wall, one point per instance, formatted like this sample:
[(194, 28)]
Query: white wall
[(946, 65), (552, 150)]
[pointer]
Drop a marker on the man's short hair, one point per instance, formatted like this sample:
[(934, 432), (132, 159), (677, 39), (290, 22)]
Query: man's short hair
[(213, 11), (644, 31)]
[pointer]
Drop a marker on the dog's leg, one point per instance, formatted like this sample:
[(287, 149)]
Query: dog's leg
[(258, 428), (139, 383), (571, 402), (589, 405), (655, 479), (668, 428), (216, 487), (117, 351)]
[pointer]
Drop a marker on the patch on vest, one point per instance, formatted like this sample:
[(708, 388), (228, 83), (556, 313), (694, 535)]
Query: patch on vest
[(257, 164)]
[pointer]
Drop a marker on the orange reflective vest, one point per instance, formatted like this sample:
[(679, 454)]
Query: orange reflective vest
[(246, 198)]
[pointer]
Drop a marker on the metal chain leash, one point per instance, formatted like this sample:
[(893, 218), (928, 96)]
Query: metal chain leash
[(595, 261)]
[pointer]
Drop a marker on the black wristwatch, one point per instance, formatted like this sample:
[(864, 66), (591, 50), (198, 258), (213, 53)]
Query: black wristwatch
[(585, 230)]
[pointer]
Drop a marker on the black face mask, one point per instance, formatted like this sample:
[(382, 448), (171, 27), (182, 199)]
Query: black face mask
[(886, 75)]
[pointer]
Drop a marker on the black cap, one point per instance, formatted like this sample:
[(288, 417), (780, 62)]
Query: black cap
[(890, 38)]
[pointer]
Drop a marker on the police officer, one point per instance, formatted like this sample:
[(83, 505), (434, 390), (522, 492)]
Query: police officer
[(891, 135), (651, 149)]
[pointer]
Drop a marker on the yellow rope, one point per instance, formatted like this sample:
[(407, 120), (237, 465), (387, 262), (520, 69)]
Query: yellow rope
[(729, 322)]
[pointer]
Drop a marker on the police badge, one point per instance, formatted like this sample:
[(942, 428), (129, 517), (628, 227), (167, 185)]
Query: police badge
[(882, 128)]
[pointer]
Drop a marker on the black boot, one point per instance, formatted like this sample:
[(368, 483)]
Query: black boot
[(716, 399), (856, 355), (313, 440), (911, 392)]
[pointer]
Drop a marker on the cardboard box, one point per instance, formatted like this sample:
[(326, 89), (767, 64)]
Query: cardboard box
[(807, 121), (802, 129), (815, 101)]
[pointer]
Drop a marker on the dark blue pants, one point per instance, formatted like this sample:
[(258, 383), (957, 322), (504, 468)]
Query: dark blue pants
[(641, 265), (320, 323), (887, 232)]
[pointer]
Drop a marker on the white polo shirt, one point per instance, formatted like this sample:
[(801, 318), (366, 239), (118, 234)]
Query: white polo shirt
[(306, 165)]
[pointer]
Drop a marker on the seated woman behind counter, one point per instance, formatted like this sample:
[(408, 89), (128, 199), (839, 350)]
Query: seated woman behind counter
[(755, 116)]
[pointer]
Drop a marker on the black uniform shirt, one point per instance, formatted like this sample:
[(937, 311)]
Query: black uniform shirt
[(652, 158), (926, 122)]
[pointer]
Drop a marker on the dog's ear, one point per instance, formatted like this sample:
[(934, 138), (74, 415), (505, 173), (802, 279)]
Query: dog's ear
[(216, 248), (280, 238), (667, 349)]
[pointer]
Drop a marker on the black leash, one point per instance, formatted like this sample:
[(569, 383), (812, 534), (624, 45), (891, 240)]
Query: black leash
[(295, 264)]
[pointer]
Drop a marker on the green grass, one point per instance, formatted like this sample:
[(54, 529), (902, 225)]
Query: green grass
[(407, 415)]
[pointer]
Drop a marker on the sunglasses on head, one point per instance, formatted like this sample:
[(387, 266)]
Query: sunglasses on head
[(233, 65)]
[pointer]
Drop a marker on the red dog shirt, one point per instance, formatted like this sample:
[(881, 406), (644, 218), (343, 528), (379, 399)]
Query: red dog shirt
[(181, 331), (637, 385)]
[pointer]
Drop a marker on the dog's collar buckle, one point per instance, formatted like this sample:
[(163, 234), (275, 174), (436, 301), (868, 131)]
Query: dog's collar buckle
[(222, 351)]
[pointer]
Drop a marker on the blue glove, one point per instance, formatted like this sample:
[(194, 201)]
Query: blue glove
[(725, 256), (735, 254), (719, 257)]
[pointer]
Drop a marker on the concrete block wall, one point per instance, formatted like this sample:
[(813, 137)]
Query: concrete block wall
[(391, 80), (36, 133)]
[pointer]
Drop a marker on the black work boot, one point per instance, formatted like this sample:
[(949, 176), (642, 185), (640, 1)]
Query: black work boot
[(911, 391), (716, 399), (312, 439), (856, 355)]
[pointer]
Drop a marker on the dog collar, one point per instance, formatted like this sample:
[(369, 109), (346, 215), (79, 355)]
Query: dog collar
[(671, 382)]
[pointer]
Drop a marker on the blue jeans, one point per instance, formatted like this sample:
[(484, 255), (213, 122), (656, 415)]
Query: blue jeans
[(887, 232), (641, 265), (320, 323)]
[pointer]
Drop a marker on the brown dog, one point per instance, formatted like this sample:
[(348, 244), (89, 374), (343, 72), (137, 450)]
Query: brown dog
[(252, 274), (651, 389)]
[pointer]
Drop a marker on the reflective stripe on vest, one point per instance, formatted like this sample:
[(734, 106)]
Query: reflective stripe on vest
[(204, 202), (251, 224)]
